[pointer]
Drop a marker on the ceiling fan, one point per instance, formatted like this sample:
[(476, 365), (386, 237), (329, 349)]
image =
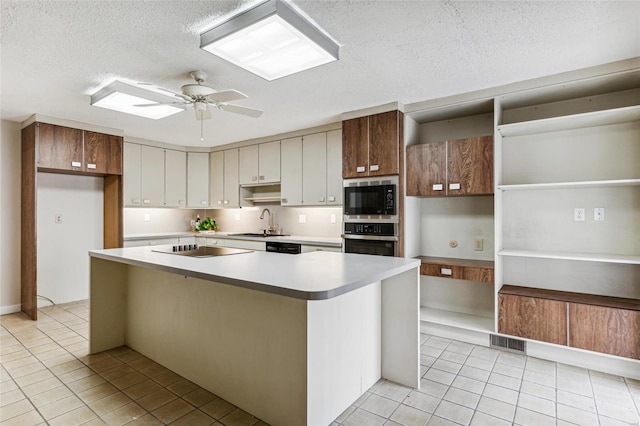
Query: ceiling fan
[(203, 97)]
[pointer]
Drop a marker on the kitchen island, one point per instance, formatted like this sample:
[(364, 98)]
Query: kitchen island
[(291, 339)]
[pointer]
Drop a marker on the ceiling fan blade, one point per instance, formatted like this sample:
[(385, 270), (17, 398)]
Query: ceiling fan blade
[(250, 112), (162, 103), (203, 115), (226, 96), (162, 89)]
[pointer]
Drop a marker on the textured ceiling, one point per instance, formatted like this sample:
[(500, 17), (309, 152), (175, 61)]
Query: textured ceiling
[(54, 54)]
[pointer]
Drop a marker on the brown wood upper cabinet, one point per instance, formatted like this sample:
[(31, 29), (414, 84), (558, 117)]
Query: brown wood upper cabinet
[(371, 145), (455, 167), (65, 149)]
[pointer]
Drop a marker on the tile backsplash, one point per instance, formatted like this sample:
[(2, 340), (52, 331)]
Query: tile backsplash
[(318, 221)]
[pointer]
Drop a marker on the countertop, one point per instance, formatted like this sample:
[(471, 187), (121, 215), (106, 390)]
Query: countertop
[(300, 239), (309, 276)]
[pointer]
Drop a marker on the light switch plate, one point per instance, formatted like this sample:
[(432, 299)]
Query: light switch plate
[(302, 218), (578, 214), (598, 213), (333, 218), (147, 217), (478, 244), (237, 217)]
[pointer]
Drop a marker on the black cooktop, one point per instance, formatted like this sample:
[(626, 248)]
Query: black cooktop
[(193, 250)]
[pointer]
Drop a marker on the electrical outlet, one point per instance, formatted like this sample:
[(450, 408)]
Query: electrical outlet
[(302, 218), (58, 218), (333, 218), (598, 213), (237, 217), (579, 214), (193, 223), (147, 217), (478, 244)]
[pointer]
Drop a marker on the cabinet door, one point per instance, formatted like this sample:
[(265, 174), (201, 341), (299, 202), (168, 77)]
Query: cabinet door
[(533, 318), (175, 172), (470, 166), (334, 168), (231, 187), (216, 184), (603, 329), (426, 169), (291, 179), (197, 179), (132, 163), (59, 147), (152, 176), (102, 153), (384, 144), (248, 165), (269, 162), (314, 170), (355, 148)]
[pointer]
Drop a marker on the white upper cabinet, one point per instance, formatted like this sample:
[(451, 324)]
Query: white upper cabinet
[(132, 159), (334, 168), (216, 184), (198, 179), (314, 170), (269, 162), (152, 176), (259, 164), (175, 185), (291, 170), (231, 186)]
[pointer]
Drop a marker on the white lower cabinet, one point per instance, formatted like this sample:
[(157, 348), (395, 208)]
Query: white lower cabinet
[(153, 242), (245, 244), (305, 248)]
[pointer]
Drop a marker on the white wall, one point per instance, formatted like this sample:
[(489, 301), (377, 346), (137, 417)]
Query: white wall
[(63, 262), (10, 160)]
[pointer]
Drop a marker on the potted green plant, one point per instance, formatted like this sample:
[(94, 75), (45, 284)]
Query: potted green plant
[(207, 225)]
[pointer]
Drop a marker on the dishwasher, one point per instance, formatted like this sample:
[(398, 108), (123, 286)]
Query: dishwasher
[(289, 248)]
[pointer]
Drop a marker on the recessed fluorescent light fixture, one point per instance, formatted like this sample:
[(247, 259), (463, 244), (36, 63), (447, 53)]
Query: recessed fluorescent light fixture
[(271, 40), (123, 97)]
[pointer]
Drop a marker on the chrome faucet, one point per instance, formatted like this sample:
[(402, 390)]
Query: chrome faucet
[(269, 227)]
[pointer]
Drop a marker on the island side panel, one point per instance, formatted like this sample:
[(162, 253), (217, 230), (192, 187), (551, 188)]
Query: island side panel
[(246, 346), (107, 311), (401, 328), (344, 338)]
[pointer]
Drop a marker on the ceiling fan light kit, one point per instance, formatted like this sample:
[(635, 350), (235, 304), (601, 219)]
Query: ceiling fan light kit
[(271, 40), (124, 97)]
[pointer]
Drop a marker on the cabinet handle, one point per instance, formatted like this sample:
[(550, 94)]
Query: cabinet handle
[(321, 200), (361, 169), (284, 201), (180, 201), (254, 178), (204, 202), (146, 201), (225, 202), (454, 186), (332, 199), (374, 168), (261, 177), (445, 271), (135, 201), (219, 202), (438, 187), (91, 166), (76, 164)]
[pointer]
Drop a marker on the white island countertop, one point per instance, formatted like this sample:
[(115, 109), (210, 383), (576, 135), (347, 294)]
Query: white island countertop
[(309, 276)]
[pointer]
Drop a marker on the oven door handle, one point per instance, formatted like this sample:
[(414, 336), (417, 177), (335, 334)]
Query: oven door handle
[(369, 237)]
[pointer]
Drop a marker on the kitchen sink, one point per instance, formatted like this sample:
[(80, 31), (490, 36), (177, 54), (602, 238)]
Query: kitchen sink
[(256, 234)]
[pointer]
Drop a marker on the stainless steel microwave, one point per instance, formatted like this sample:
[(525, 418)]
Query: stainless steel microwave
[(369, 198)]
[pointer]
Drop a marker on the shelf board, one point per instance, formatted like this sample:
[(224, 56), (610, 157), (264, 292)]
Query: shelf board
[(263, 199), (472, 263), (571, 185), (585, 257), (569, 122), (457, 319)]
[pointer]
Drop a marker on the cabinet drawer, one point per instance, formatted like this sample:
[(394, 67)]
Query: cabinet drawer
[(471, 273), (441, 270)]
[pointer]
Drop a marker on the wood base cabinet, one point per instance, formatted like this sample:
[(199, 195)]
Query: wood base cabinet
[(609, 325)]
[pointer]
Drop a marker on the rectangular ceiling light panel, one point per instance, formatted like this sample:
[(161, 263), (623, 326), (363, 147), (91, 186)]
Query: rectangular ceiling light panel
[(123, 97), (270, 40)]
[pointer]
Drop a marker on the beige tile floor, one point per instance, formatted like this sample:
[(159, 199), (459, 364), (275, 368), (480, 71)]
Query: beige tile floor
[(47, 377)]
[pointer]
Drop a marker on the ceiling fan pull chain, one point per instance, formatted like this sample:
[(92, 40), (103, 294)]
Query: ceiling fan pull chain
[(201, 126)]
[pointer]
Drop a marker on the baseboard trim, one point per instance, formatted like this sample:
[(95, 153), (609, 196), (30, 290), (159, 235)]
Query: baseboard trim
[(605, 363), (11, 309)]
